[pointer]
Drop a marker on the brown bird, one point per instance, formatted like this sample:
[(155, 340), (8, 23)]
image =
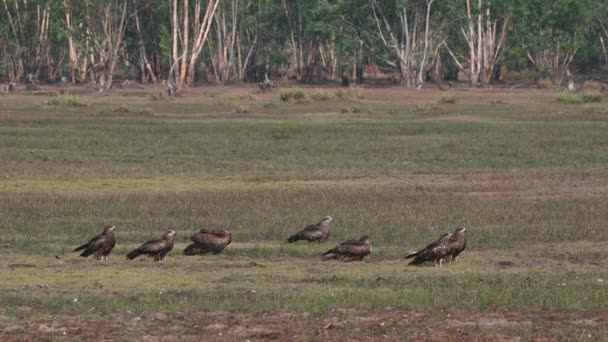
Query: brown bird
[(446, 248), (101, 245), (316, 232), (208, 241), (155, 248), (457, 244), (351, 250)]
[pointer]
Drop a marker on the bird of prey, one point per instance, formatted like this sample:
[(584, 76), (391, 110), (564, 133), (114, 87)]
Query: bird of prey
[(101, 245), (457, 244), (446, 248), (155, 248), (351, 250), (315, 232), (208, 241)]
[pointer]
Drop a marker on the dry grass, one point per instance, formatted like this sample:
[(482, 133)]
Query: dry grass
[(544, 84)]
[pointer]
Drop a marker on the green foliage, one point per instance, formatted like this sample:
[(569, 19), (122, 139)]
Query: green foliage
[(293, 94), (311, 40), (584, 97), (450, 99), (68, 101), (319, 95)]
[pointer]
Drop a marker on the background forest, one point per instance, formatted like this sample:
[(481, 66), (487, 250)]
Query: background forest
[(311, 41)]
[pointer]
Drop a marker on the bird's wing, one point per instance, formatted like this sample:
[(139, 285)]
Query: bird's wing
[(209, 239), (153, 246), (353, 247), (97, 242), (453, 244), (312, 232)]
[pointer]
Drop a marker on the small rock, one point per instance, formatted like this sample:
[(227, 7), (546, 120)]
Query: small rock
[(215, 327), (12, 328), (160, 316), (45, 329)]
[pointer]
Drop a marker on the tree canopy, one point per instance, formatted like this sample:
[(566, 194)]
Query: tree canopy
[(224, 41)]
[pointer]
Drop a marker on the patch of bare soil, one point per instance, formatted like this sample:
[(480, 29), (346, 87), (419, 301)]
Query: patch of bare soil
[(388, 325)]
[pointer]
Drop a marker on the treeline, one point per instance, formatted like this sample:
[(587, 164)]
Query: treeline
[(225, 41)]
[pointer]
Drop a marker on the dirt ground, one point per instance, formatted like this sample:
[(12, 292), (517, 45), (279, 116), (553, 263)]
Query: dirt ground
[(388, 325)]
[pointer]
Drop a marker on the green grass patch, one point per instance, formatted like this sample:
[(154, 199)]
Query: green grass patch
[(292, 95), (580, 98), (68, 101), (450, 99)]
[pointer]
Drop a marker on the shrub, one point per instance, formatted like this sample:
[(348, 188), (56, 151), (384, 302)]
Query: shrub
[(295, 94), (596, 109), (544, 84), (591, 96), (523, 75), (67, 100), (356, 92), (319, 95), (241, 109), (586, 97), (450, 99), (122, 109), (593, 85)]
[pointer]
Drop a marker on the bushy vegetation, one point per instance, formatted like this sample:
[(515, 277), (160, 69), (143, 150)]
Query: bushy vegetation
[(292, 94), (450, 99), (311, 41), (68, 101), (580, 98)]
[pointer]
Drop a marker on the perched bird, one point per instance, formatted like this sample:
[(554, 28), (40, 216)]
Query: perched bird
[(315, 232), (208, 241), (446, 248), (351, 250), (457, 244), (101, 245), (155, 248)]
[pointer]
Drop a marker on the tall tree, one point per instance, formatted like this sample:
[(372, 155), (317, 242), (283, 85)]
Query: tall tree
[(405, 28), (187, 48), (551, 32), (484, 29)]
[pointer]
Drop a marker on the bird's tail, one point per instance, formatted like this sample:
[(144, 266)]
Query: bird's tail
[(293, 238), (192, 249), (328, 255), (416, 261), (413, 254), (81, 247), (134, 254)]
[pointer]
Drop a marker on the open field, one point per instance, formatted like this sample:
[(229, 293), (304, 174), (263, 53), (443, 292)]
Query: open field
[(526, 174)]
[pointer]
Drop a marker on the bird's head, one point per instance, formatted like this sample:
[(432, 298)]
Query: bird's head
[(169, 234), (109, 228), (460, 230), (327, 219)]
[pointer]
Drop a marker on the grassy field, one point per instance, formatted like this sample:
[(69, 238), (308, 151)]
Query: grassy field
[(525, 173)]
